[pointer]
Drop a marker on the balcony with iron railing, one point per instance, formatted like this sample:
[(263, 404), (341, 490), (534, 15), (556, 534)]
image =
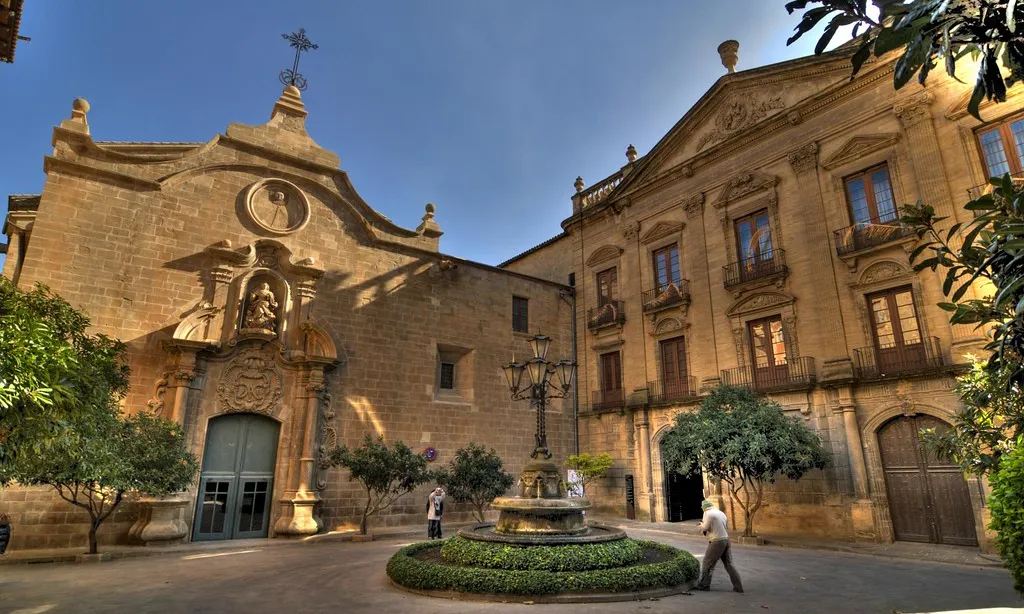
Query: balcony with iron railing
[(987, 188), (766, 266), (607, 400), (666, 295), (796, 373), (672, 391), (898, 360), (612, 312), (863, 236)]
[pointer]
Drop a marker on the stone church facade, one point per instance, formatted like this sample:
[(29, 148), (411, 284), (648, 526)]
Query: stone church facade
[(756, 244), (274, 314)]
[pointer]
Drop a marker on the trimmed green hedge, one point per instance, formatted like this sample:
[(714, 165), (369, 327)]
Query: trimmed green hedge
[(569, 557), (407, 570)]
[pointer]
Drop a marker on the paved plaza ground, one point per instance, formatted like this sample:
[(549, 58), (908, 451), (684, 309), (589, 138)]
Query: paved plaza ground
[(349, 577)]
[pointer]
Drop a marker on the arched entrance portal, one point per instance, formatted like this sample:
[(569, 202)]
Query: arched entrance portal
[(683, 494), (928, 496), (237, 482)]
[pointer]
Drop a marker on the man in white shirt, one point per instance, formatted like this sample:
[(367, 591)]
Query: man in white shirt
[(713, 525), (435, 508)]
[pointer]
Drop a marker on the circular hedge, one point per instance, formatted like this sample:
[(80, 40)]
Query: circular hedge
[(418, 567), (574, 557)]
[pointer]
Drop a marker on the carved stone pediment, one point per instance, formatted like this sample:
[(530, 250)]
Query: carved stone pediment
[(857, 147), (197, 326), (759, 302), (662, 230), (745, 184), (604, 254), (741, 111), (882, 271)]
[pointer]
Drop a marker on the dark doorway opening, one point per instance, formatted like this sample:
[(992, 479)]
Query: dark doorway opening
[(683, 494)]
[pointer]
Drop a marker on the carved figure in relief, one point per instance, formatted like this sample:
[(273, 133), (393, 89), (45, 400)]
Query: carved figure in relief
[(261, 311)]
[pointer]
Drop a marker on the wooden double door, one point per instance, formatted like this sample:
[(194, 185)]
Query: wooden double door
[(237, 481), (928, 497)]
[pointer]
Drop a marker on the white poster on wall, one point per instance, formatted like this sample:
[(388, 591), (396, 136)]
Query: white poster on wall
[(573, 484)]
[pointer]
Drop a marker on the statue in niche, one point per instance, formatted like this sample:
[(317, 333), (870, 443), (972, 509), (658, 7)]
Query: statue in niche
[(261, 310)]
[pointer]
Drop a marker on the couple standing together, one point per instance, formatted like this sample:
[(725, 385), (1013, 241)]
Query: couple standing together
[(435, 508)]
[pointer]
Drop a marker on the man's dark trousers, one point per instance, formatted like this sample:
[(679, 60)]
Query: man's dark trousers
[(718, 549), (434, 529)]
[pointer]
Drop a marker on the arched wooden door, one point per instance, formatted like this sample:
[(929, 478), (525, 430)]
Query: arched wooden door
[(928, 496), (237, 482)]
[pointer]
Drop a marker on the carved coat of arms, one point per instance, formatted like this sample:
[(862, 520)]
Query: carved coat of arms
[(251, 383)]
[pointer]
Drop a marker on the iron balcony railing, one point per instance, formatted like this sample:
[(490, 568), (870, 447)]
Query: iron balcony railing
[(796, 373), (863, 236), (668, 391), (612, 312), (897, 360), (675, 293), (985, 188), (604, 400), (762, 266)]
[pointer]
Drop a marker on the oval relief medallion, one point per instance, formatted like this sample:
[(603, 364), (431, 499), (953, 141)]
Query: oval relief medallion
[(277, 206)]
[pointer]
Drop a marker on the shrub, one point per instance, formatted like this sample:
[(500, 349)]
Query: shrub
[(570, 557), (1007, 506), (406, 569)]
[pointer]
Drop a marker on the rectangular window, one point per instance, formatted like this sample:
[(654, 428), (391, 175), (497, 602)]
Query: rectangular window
[(611, 372), (666, 267), (895, 329), (768, 351), (447, 376), (1002, 148), (869, 195), (675, 382), (754, 238), (607, 286), (520, 315)]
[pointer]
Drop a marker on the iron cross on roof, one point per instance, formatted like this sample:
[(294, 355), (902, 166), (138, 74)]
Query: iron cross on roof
[(300, 43)]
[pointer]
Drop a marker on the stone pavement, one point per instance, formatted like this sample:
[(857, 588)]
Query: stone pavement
[(897, 550), (349, 577)]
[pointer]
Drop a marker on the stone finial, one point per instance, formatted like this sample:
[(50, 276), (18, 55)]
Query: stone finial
[(728, 52), (428, 226), (579, 185), (79, 121), (289, 113), (631, 153)]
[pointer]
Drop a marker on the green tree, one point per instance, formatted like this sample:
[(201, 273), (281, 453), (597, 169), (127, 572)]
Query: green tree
[(385, 472), (51, 370), (987, 427), (589, 468), (927, 31), (101, 458), (986, 253), (476, 476), (1007, 507), (745, 441)]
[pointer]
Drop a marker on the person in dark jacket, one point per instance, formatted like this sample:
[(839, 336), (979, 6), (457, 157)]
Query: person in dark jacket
[(435, 508)]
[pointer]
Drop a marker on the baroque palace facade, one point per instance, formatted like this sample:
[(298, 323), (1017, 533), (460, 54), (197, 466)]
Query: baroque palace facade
[(274, 314), (757, 244)]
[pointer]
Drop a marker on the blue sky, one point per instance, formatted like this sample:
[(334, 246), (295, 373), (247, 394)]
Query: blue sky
[(488, 108)]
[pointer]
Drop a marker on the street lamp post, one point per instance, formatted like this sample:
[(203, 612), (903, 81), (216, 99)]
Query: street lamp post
[(540, 388)]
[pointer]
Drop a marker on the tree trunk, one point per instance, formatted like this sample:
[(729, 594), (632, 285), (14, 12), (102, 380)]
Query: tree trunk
[(92, 537), (362, 524), (479, 512)]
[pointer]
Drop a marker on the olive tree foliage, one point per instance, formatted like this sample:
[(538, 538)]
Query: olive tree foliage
[(744, 440), (100, 460), (386, 472), (52, 372), (927, 32), (589, 468), (476, 476)]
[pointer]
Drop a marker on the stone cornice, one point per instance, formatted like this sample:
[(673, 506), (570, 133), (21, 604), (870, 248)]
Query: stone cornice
[(60, 165)]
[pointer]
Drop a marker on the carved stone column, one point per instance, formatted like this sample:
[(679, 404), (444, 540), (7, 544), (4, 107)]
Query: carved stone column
[(836, 363), (915, 117), (302, 519), (646, 475), (862, 510)]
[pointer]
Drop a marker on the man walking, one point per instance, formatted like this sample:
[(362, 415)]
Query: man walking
[(435, 507), (714, 526)]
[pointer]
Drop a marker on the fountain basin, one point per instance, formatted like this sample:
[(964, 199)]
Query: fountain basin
[(593, 534), (535, 516)]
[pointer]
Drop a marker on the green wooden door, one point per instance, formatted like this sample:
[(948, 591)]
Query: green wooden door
[(237, 479)]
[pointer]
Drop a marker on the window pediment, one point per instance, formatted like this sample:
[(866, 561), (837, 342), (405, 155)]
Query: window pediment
[(604, 254), (857, 147), (662, 230), (745, 184), (758, 302)]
